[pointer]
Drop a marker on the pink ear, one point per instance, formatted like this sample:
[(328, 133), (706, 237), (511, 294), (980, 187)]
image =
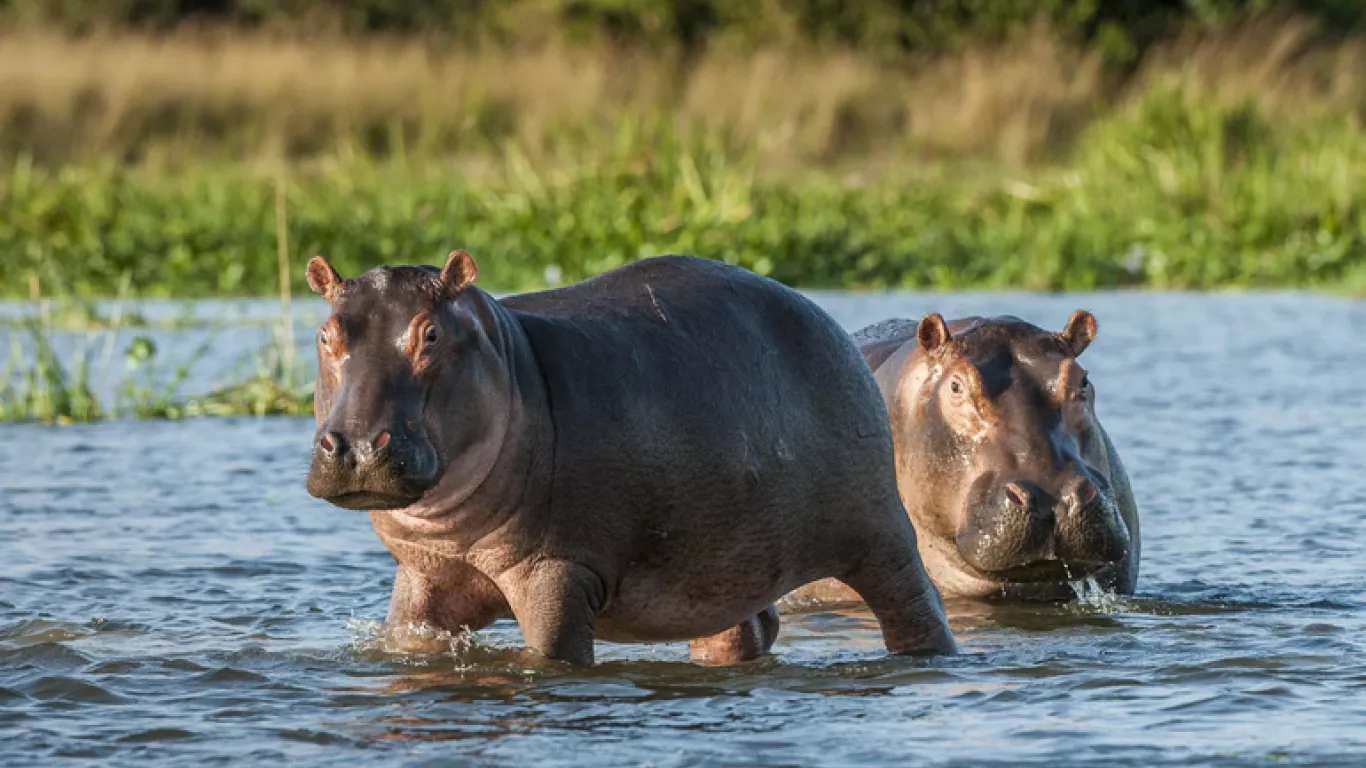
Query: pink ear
[(459, 273), (933, 332), (1080, 332), (322, 278)]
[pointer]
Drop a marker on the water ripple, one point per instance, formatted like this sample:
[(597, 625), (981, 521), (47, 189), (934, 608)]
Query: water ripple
[(187, 602)]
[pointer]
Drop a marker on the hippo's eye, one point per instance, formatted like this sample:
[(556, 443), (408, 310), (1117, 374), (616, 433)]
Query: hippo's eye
[(956, 387), (431, 335), (322, 337)]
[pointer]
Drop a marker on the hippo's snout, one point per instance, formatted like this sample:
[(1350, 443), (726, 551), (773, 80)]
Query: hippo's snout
[(1091, 534), (1021, 533), (382, 471)]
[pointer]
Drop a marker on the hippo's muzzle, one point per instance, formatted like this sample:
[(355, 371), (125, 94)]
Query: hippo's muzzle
[(1021, 534), (387, 471)]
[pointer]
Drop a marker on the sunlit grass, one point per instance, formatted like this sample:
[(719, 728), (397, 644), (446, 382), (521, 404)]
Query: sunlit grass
[(185, 97), (1231, 157), (1173, 191)]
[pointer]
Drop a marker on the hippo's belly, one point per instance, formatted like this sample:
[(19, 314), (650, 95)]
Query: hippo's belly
[(649, 616), (686, 601)]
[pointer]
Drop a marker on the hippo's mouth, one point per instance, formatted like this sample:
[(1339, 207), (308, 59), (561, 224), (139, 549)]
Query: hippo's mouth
[(1047, 571), (370, 501), (369, 491)]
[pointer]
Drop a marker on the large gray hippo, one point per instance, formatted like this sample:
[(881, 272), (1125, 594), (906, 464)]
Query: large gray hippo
[(654, 454), (1013, 486)]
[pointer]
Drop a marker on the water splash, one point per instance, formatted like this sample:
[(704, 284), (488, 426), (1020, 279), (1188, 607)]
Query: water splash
[(1091, 596), (411, 641)]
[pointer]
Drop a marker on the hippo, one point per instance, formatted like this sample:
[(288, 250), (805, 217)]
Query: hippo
[(1013, 486), (655, 454)]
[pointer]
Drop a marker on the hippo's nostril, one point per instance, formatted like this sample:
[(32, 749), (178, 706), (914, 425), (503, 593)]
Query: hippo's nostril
[(1087, 492), (1017, 495), (332, 444), (382, 440)]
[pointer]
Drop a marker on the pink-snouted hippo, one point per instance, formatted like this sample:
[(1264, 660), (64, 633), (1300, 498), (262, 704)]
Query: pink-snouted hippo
[(1014, 487), (655, 454)]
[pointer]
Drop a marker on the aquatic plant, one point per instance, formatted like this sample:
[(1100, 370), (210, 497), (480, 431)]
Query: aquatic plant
[(37, 386), (275, 385)]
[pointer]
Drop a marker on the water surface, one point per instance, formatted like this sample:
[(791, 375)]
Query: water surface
[(169, 593)]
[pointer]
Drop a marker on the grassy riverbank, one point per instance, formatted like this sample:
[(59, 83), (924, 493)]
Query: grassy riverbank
[(1231, 156), (212, 163), (1172, 192)]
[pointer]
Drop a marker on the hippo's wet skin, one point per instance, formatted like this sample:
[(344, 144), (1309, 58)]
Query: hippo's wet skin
[(655, 454), (1014, 488)]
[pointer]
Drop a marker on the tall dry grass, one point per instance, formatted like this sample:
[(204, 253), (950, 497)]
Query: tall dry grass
[(184, 96), (1283, 65)]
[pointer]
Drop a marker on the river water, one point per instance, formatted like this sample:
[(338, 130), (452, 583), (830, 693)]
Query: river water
[(170, 594)]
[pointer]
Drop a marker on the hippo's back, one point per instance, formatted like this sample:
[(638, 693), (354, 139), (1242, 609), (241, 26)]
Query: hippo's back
[(707, 413), (631, 293), (698, 345), (680, 305)]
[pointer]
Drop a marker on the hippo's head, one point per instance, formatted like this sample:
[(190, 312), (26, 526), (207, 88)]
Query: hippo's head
[(1007, 463), (402, 345)]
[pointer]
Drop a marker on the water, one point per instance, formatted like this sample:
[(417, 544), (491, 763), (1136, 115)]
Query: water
[(170, 594)]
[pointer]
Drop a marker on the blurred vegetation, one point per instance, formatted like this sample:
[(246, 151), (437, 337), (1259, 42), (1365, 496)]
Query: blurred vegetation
[(1175, 191), (883, 27), (883, 144), (813, 82)]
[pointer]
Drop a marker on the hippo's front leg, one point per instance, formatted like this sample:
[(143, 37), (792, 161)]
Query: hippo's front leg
[(556, 604), (452, 597), (747, 640)]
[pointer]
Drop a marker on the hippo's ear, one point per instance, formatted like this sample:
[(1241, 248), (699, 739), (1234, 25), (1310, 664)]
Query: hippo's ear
[(1080, 332), (933, 332), (458, 274), (322, 278)]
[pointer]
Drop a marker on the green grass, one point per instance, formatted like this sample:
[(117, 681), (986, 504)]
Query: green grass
[(1174, 192)]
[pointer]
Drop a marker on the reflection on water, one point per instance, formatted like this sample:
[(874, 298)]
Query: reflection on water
[(170, 594)]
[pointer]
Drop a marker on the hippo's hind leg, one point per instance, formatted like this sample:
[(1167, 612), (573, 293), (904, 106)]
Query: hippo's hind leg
[(891, 579), (747, 640)]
